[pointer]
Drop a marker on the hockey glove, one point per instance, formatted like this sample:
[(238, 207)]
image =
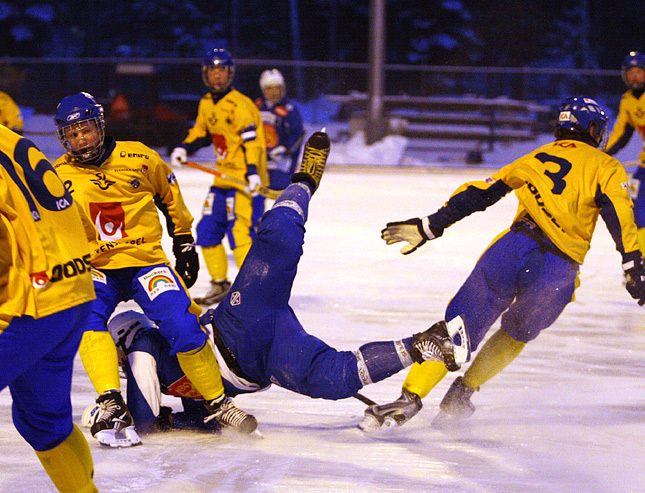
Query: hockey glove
[(186, 259), (635, 279), (254, 184), (415, 231), (178, 157)]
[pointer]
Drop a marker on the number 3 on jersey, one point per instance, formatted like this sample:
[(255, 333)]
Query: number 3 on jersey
[(557, 177)]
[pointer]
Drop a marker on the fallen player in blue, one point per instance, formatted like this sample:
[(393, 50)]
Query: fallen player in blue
[(258, 338)]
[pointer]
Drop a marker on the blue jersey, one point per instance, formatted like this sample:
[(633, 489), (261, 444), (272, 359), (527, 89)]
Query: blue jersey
[(284, 131)]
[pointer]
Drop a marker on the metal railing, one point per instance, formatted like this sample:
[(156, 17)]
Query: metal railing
[(41, 83)]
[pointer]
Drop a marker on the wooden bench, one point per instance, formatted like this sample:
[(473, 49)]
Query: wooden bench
[(471, 124)]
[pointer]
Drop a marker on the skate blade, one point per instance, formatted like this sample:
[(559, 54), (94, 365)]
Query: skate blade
[(456, 327), (116, 439), (369, 424)]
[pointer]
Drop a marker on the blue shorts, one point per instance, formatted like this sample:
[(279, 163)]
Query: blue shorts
[(161, 296), (36, 362), (227, 212), (516, 277)]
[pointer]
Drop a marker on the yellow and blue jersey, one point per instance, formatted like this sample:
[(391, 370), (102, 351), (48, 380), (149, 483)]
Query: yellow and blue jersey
[(563, 186), (631, 116), (120, 197), (234, 126), (44, 256), (10, 115)]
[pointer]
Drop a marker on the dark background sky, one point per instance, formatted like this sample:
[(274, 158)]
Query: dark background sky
[(509, 33)]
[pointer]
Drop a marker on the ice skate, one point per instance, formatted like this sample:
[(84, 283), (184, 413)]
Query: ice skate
[(111, 423), (447, 342), (455, 405), (224, 410), (395, 413), (314, 158), (216, 293)]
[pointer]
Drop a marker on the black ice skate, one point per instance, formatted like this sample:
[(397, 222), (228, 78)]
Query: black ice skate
[(314, 158), (447, 342), (216, 293), (224, 410), (395, 413), (111, 422), (456, 404)]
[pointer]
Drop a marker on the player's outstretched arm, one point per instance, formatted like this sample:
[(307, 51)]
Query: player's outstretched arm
[(415, 232), (470, 197)]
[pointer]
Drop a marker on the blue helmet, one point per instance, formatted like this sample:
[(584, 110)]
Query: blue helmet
[(584, 116), (634, 59), (76, 113), (218, 58)]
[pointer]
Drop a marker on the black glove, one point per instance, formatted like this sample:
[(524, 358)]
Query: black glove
[(186, 259), (635, 279), (415, 231)]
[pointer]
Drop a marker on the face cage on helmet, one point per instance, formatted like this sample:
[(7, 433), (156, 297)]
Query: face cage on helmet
[(88, 153), (230, 69), (603, 138)]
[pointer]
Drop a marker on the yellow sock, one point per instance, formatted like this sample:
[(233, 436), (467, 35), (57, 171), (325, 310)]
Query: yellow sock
[(100, 360), (493, 357), (216, 261), (422, 378), (201, 368), (70, 465), (240, 253)]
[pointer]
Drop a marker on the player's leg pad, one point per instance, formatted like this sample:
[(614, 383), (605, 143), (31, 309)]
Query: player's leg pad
[(224, 410), (395, 413)]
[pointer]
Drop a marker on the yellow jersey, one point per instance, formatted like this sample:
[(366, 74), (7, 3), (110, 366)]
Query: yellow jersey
[(564, 186), (119, 197), (10, 115), (233, 125), (631, 116), (44, 257)]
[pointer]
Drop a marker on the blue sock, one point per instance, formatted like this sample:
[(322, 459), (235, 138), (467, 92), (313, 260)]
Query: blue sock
[(380, 360), (296, 196)]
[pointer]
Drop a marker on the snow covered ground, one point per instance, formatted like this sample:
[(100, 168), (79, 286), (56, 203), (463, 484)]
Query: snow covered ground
[(568, 415)]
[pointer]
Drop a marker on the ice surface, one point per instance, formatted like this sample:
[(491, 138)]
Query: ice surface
[(568, 415)]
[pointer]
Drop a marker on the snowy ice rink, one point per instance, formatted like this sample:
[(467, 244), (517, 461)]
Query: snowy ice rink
[(568, 415)]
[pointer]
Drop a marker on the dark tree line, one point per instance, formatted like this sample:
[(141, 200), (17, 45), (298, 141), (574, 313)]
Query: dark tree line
[(577, 34)]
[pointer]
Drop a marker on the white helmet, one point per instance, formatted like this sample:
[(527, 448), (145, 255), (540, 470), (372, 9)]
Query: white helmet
[(273, 78), (125, 326)]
